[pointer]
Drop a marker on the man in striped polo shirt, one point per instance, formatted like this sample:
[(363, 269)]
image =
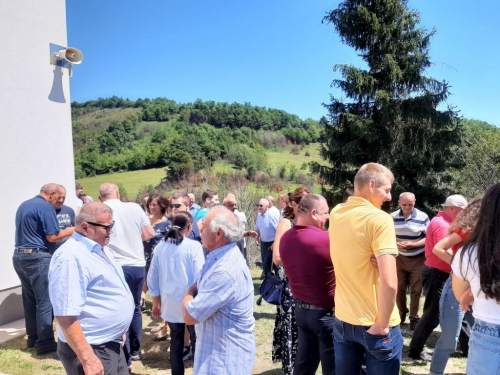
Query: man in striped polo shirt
[(411, 226)]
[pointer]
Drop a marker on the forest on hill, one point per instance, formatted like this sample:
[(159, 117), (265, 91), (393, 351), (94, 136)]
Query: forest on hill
[(116, 134)]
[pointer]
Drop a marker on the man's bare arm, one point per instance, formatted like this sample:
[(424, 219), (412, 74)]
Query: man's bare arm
[(386, 298), (63, 233), (73, 333), (147, 232)]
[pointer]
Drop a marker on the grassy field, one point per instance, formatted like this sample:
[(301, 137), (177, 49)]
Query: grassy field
[(15, 359), (132, 181)]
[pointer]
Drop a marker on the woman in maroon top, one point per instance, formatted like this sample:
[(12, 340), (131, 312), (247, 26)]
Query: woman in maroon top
[(285, 334), (450, 313)]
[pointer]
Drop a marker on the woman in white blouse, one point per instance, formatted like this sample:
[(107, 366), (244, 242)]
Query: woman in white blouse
[(477, 265), (174, 267)]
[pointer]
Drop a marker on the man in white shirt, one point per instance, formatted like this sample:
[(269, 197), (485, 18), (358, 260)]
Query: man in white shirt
[(132, 226)]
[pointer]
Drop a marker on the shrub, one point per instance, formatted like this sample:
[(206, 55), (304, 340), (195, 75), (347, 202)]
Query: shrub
[(307, 153), (303, 167)]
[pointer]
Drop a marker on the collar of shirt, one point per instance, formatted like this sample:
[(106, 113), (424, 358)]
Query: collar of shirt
[(412, 216), (443, 215), (90, 245), (214, 256)]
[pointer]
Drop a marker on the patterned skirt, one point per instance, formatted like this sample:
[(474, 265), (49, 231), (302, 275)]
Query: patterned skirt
[(285, 335)]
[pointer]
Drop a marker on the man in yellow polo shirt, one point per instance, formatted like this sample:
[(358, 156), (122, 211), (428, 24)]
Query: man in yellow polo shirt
[(367, 319)]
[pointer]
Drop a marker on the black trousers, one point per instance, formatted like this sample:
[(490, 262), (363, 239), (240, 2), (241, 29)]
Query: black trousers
[(267, 256), (110, 354), (177, 345), (315, 341), (433, 281)]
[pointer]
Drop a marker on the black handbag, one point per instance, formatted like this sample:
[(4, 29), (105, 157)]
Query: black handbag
[(270, 289)]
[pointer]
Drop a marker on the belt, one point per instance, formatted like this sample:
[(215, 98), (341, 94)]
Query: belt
[(29, 251), (109, 344), (308, 306)]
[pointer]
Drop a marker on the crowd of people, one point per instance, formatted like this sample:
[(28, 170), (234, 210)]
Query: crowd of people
[(343, 289)]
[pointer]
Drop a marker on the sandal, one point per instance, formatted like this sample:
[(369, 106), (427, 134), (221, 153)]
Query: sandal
[(162, 335)]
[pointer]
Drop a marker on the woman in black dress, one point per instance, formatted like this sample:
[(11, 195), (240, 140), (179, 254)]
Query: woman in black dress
[(285, 335)]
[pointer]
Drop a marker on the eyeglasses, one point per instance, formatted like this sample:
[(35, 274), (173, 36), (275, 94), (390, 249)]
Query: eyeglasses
[(176, 205), (107, 228)]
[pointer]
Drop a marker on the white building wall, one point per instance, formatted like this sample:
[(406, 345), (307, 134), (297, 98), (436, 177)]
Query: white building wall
[(36, 144)]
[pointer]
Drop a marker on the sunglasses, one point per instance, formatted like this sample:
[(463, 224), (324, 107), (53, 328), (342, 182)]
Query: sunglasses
[(107, 228), (176, 205)]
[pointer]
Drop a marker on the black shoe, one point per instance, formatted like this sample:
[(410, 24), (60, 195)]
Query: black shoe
[(187, 355), (46, 348), (413, 324), (30, 343)]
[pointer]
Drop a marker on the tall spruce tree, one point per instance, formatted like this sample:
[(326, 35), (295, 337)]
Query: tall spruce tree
[(390, 114)]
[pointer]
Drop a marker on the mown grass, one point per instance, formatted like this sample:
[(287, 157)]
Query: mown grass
[(15, 359), (132, 181)]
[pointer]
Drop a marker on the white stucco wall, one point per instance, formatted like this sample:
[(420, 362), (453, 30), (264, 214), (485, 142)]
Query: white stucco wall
[(35, 131)]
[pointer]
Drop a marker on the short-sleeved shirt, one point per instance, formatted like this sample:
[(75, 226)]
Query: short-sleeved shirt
[(359, 230), (437, 230), (411, 229), (173, 270), (305, 253), (126, 239), (266, 225), (487, 310), (65, 218), (85, 283), (200, 214), (224, 307), (36, 219)]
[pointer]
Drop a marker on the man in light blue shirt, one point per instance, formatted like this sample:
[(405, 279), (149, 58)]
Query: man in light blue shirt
[(220, 302), (92, 302), (265, 229)]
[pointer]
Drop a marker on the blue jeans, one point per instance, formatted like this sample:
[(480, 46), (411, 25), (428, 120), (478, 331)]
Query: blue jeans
[(484, 349), (33, 269), (315, 341), (450, 319), (134, 276), (352, 343)]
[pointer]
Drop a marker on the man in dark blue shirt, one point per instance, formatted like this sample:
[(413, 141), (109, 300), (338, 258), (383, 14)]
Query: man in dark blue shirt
[(65, 215), (37, 231)]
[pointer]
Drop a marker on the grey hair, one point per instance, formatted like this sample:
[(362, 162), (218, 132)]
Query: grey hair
[(406, 192), (265, 200), (49, 188), (91, 211), (108, 189), (232, 231)]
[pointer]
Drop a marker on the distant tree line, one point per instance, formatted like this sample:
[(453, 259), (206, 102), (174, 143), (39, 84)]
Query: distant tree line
[(217, 114)]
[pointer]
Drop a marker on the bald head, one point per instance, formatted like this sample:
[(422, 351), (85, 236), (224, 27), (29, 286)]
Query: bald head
[(230, 202), (270, 198), (91, 211), (108, 190)]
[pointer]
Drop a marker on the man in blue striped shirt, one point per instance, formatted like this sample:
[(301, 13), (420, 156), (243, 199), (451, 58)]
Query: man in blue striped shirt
[(220, 302), (411, 226)]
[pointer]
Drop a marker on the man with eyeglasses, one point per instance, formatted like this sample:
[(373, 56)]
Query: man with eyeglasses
[(411, 225), (92, 302), (131, 229), (37, 232), (179, 202)]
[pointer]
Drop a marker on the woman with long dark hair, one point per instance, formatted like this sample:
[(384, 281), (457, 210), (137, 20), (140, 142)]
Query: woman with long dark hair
[(285, 334), (477, 266), (174, 267), (450, 314)]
